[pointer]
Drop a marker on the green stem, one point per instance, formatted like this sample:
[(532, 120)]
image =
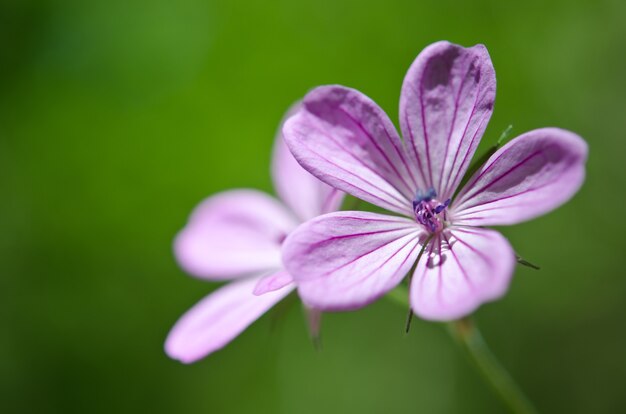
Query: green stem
[(467, 335)]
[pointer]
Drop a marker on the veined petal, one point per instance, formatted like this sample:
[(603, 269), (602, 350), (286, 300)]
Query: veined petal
[(232, 234), (345, 260), (461, 269), (446, 102), (219, 318), (343, 138), (272, 282), (307, 196), (530, 176)]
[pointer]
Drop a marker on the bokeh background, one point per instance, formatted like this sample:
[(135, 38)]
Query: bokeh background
[(117, 117)]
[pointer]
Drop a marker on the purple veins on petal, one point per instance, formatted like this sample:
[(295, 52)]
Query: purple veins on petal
[(305, 195), (446, 100), (528, 177), (466, 267), (344, 139), (345, 260), (272, 282)]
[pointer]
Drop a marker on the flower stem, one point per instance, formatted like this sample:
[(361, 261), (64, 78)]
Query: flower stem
[(467, 335)]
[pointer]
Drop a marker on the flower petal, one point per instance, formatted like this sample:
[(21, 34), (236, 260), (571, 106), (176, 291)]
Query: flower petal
[(348, 259), (272, 282), (530, 176), (232, 234), (218, 318), (307, 196), (461, 269), (446, 102), (343, 138)]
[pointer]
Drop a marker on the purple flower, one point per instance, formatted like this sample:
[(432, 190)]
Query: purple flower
[(345, 260), (237, 235)]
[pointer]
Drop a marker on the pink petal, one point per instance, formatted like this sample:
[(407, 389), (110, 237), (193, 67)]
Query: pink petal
[(343, 138), (348, 259), (446, 102), (461, 269), (218, 319), (272, 282), (530, 176), (307, 196), (232, 234)]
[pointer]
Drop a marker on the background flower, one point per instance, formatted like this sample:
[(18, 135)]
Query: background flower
[(237, 235)]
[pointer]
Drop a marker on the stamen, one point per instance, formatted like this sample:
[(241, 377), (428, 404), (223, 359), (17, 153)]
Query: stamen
[(441, 207), (427, 210), (409, 316), (425, 195)]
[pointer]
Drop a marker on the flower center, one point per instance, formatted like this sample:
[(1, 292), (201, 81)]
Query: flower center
[(430, 212)]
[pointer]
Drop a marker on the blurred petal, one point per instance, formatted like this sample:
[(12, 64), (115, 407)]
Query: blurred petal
[(530, 176), (343, 138), (232, 234), (272, 282), (307, 196), (461, 269), (446, 102), (218, 319), (348, 259)]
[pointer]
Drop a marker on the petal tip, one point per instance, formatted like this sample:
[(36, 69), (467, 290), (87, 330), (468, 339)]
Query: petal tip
[(175, 349)]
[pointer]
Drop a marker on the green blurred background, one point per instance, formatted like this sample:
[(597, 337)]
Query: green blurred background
[(117, 117)]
